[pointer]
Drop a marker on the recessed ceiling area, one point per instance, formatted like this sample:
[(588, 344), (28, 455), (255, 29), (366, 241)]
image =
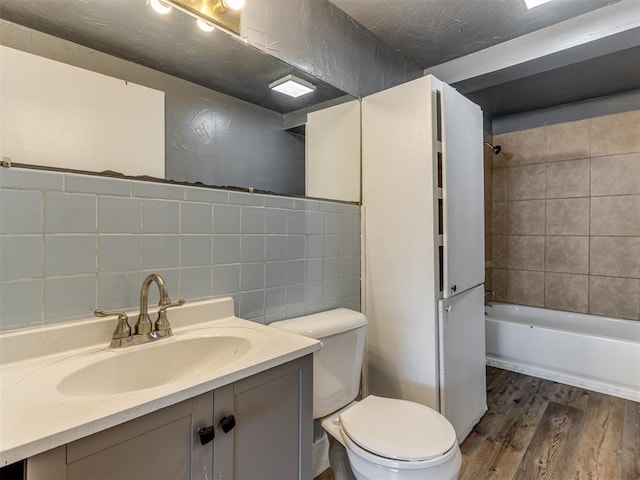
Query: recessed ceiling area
[(431, 32)]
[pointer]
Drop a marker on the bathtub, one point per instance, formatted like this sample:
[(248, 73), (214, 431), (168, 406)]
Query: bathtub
[(587, 351)]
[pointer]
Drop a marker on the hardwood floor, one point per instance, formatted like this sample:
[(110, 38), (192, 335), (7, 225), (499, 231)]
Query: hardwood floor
[(537, 429)]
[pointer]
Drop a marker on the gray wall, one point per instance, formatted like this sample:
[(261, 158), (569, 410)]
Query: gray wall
[(210, 137)]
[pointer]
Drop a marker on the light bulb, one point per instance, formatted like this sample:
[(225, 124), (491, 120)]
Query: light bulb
[(160, 7), (204, 26), (233, 4)]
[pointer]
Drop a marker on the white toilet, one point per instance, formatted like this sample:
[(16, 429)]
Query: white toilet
[(385, 439)]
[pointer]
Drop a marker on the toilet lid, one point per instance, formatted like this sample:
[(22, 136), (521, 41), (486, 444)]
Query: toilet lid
[(398, 429)]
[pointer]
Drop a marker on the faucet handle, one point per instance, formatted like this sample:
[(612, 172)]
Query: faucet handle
[(162, 323), (123, 330)]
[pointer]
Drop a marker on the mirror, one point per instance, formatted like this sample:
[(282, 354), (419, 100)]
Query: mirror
[(223, 126)]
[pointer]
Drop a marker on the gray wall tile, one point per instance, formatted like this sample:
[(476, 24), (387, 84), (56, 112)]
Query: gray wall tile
[(158, 190), (499, 217), (21, 257), (97, 185), (119, 215), (275, 221), (252, 248), (296, 247), (252, 276), (173, 238), (226, 219), (253, 220), (69, 255), (21, 304), (295, 222), (296, 272), (255, 199), (226, 249), (160, 216), (196, 283), (196, 217), (523, 147), (226, 279), (160, 251), (315, 223), (209, 195), (119, 291), (29, 179), (195, 250), (69, 213), (20, 212), (69, 297), (499, 251), (499, 185), (275, 274), (119, 253), (276, 248), (315, 246), (252, 304), (275, 300)]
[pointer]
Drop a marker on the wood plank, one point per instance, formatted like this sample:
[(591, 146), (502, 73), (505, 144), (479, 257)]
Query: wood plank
[(629, 463), (551, 451), (598, 449), (492, 454)]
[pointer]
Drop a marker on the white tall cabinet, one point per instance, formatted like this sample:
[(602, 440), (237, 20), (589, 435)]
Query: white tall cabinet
[(423, 269)]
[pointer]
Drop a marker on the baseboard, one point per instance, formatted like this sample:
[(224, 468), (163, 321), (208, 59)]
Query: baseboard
[(573, 380)]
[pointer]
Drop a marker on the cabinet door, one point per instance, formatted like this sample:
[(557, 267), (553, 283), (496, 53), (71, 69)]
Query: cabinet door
[(463, 395), (273, 434), (463, 192), (156, 446)]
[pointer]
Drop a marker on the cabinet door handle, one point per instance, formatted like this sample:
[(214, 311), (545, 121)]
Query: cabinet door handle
[(207, 434), (227, 423), (454, 288)]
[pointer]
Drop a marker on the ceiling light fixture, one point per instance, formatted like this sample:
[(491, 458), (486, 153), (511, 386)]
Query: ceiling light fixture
[(210, 14), (292, 86), (233, 4), (160, 7), (534, 3), (205, 26)]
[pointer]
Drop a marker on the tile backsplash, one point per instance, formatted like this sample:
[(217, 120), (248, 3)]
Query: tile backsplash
[(565, 216), (70, 243)]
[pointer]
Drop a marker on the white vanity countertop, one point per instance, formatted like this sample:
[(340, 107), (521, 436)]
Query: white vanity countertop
[(35, 416)]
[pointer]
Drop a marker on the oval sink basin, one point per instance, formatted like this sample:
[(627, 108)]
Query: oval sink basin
[(157, 365)]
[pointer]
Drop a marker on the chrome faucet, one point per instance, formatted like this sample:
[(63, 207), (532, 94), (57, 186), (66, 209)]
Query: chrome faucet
[(144, 330)]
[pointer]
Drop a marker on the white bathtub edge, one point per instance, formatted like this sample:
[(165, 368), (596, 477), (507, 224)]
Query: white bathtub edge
[(573, 380)]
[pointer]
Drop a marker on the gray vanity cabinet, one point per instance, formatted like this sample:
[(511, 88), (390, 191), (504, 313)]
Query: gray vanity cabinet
[(271, 439)]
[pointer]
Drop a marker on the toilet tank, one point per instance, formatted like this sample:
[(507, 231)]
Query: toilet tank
[(337, 366)]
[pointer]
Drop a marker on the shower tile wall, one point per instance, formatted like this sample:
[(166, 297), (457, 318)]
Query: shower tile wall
[(71, 243), (565, 216)]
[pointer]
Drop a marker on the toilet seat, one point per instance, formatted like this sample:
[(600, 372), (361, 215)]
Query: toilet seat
[(397, 430)]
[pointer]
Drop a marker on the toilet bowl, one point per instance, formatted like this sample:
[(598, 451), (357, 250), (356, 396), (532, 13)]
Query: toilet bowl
[(384, 438), (394, 439)]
